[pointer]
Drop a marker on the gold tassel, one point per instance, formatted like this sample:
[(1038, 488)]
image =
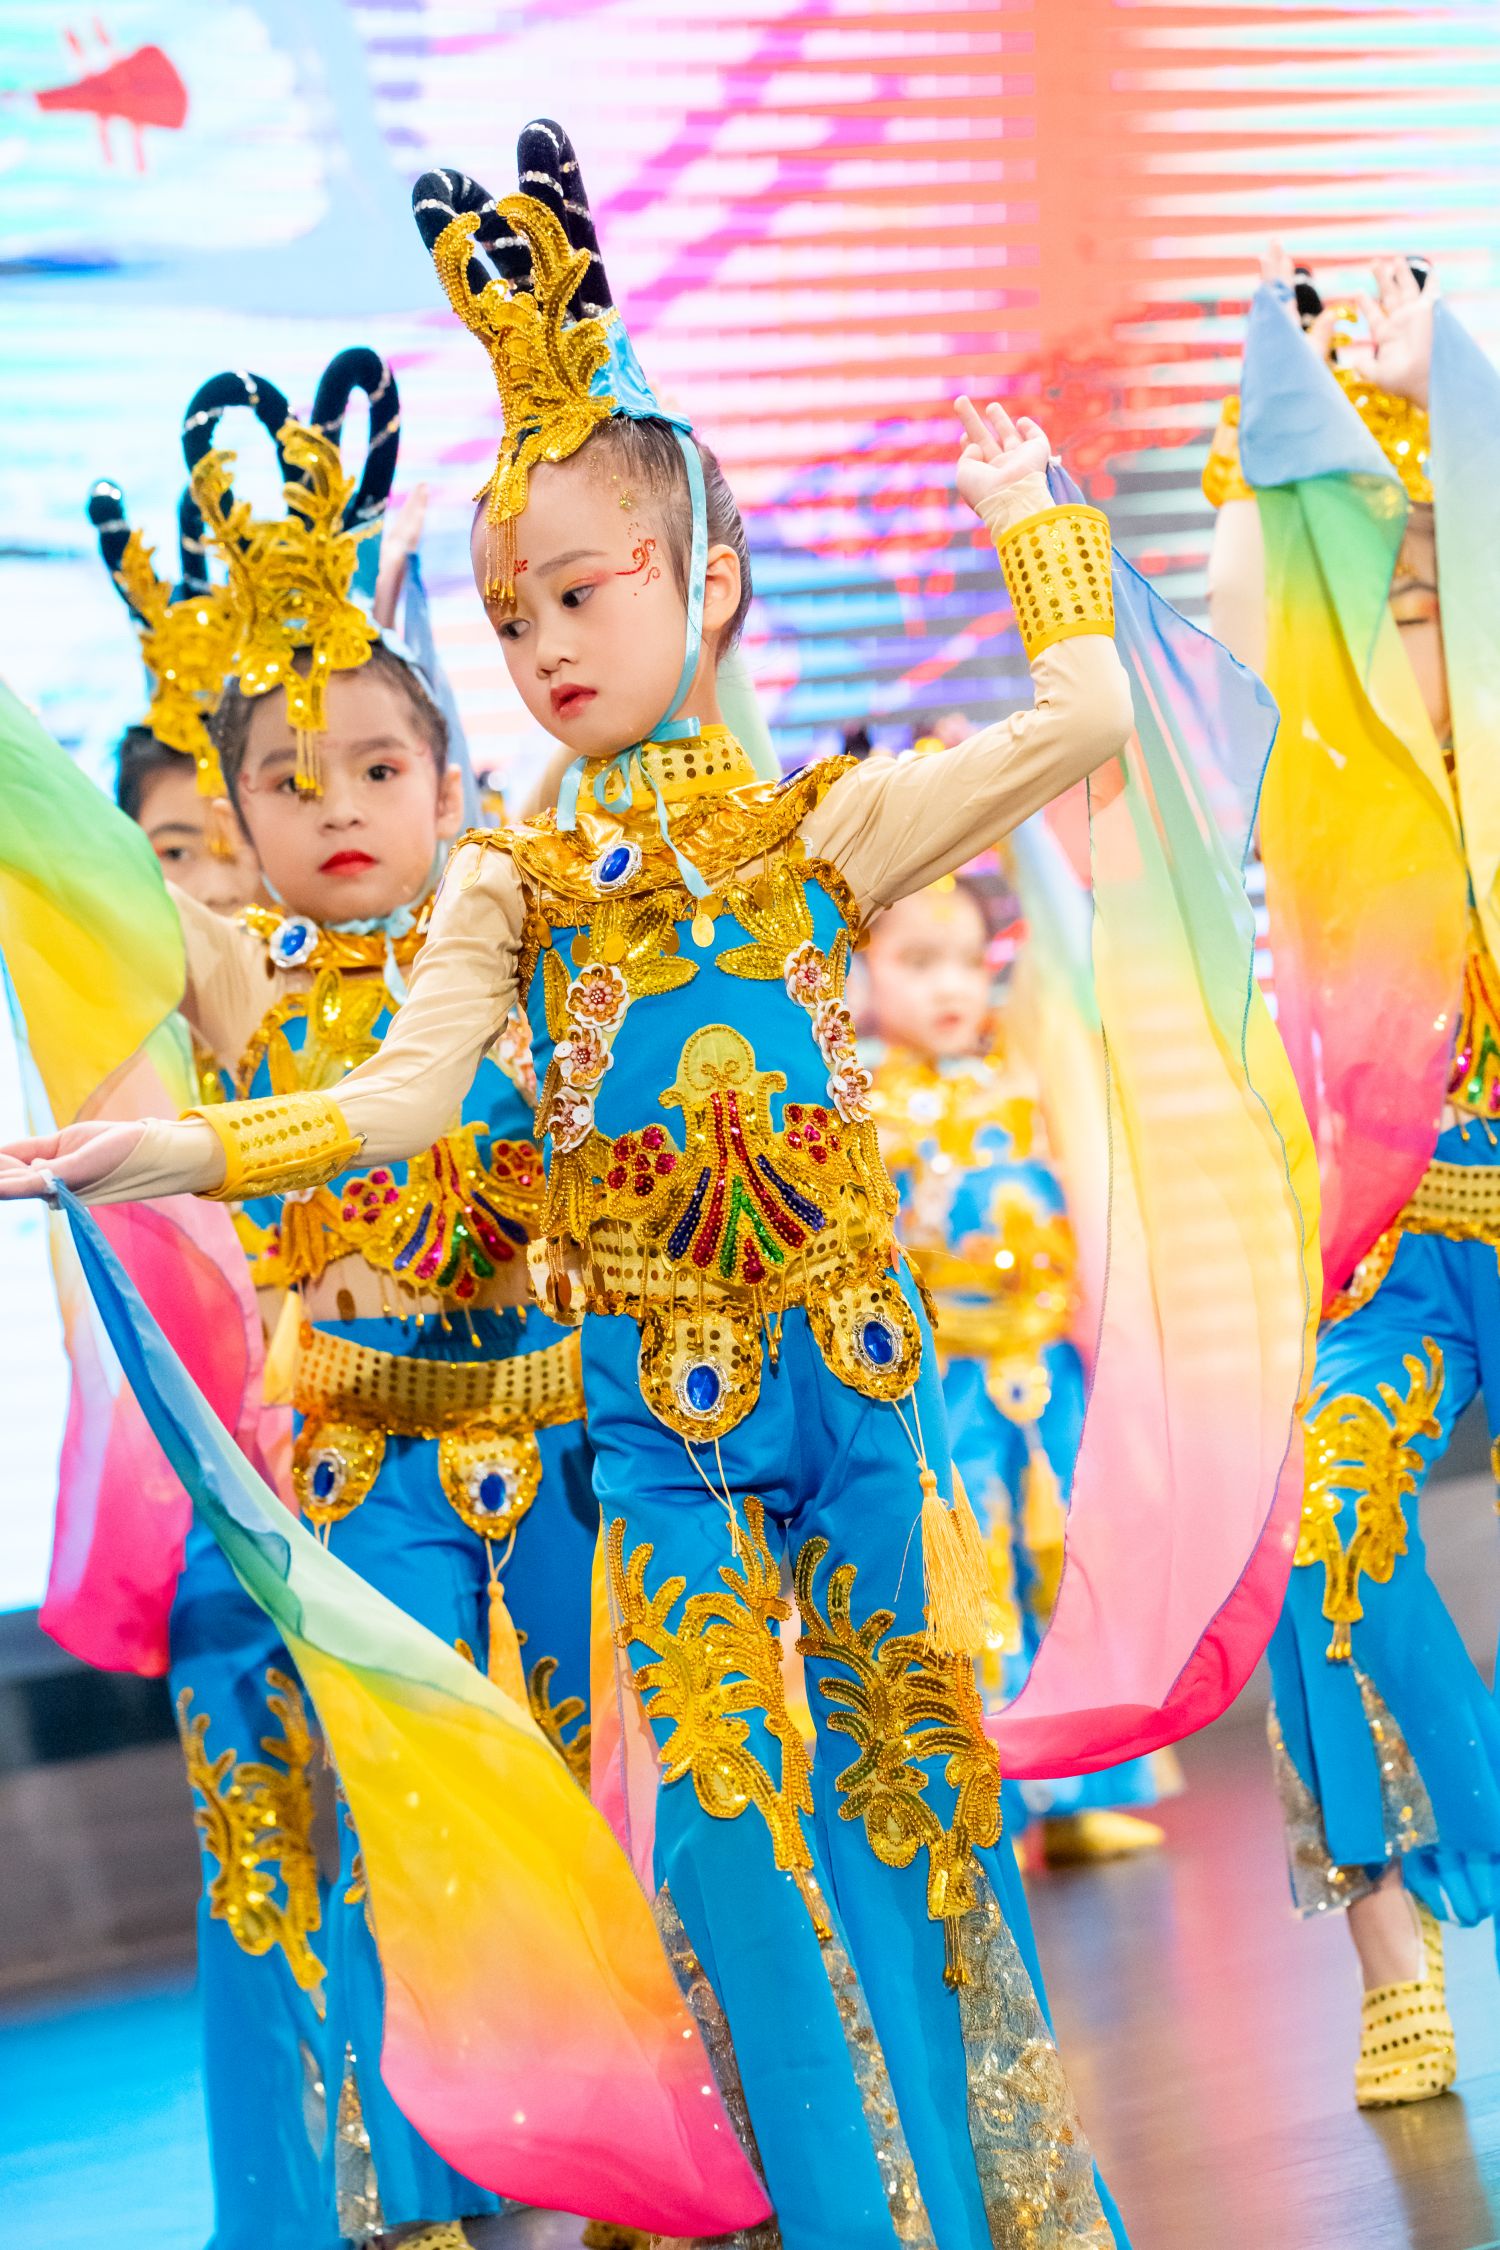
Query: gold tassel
[(308, 776), (955, 1569), (1044, 1524), (504, 1667)]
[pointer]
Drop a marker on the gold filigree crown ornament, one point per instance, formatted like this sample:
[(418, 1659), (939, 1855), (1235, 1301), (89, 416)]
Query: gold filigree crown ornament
[(542, 310), (187, 633), (299, 583)]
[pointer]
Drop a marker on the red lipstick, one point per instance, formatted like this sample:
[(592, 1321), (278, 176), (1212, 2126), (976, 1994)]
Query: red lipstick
[(346, 863), (568, 701)]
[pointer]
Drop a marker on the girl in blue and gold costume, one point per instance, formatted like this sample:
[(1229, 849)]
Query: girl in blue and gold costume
[(761, 1378), (984, 1219), (758, 1368), (440, 1447), (1354, 561)]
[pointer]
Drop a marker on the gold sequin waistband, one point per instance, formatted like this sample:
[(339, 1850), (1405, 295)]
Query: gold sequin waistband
[(337, 1378), (619, 1273), (1461, 1201)]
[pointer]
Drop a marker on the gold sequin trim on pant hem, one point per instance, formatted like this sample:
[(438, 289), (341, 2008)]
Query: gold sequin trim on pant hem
[(355, 2187), (1036, 2168), (1319, 1884), (713, 2027)]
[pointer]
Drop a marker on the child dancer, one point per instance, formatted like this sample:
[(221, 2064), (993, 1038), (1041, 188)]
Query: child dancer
[(244, 1723), (440, 1449), (1349, 558), (759, 1372), (984, 1219)]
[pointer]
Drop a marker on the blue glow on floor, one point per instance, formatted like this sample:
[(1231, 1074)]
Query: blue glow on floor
[(101, 2120)]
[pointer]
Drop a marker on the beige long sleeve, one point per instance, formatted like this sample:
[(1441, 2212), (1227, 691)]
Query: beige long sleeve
[(895, 824), (403, 1098)]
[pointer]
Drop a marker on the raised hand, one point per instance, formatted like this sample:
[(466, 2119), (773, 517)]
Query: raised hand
[(80, 1156), (996, 452), (400, 539), (1279, 269), (1397, 354)]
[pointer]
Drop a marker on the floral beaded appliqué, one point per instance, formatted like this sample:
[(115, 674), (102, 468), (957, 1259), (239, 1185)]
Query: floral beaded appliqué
[(899, 1702), (255, 1819), (720, 1662), (1364, 1448), (776, 912)]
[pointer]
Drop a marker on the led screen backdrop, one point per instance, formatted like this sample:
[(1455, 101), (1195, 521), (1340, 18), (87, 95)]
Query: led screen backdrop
[(823, 221)]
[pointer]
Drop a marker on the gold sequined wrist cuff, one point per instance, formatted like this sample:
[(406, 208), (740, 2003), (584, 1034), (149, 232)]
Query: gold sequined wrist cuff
[(285, 1142), (1057, 568)]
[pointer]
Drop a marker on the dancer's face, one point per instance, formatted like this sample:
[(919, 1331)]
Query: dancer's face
[(367, 845), (183, 825), (596, 636), (929, 984)]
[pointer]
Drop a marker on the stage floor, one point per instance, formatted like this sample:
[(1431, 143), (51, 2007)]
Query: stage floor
[(1210, 2037)]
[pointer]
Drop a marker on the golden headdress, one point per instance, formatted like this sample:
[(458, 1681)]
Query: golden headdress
[(187, 632), (543, 312), (302, 581)]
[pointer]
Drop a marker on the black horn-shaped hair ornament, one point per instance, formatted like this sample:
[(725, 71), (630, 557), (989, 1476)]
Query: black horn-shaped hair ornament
[(524, 274), (296, 579)]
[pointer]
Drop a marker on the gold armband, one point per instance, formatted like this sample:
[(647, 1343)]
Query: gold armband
[(1057, 568), (274, 1146), (1223, 478)]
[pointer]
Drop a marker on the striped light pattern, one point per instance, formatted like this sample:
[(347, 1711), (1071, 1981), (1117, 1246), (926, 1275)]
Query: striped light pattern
[(825, 219)]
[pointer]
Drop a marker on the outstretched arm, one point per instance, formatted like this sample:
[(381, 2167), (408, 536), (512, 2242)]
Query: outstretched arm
[(394, 1105), (893, 825)]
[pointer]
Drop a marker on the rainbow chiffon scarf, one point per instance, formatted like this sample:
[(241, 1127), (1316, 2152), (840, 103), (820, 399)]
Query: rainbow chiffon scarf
[(1366, 880), (534, 2032), (1188, 1487), (94, 971)]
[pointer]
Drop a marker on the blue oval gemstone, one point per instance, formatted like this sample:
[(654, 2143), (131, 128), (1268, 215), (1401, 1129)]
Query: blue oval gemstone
[(615, 865), (324, 1478), (493, 1493), (878, 1342), (703, 1387)]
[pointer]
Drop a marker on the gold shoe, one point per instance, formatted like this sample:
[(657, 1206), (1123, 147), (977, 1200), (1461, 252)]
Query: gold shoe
[(1406, 2046), (1075, 1839)]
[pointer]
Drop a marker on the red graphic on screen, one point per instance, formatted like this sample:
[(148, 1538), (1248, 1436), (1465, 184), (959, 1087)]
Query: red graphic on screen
[(141, 88)]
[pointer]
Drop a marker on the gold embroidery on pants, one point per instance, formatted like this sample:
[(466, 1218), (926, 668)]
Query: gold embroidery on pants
[(1036, 2170), (1355, 1449), (554, 1719), (900, 1703), (256, 1820), (723, 1660), (355, 2188)]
